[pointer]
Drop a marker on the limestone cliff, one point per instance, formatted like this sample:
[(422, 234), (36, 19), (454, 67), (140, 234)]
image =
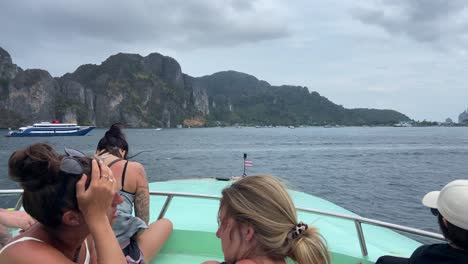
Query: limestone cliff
[(139, 91), (25, 96), (8, 70), (153, 91)]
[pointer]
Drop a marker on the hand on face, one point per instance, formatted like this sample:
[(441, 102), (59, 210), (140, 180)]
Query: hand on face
[(95, 202)]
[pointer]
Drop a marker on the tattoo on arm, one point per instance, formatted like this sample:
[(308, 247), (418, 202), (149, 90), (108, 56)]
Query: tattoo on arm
[(142, 203)]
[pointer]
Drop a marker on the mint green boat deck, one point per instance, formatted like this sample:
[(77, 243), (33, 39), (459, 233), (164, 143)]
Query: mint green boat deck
[(195, 223)]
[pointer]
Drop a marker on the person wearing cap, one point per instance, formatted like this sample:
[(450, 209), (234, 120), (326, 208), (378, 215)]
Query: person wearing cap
[(450, 205)]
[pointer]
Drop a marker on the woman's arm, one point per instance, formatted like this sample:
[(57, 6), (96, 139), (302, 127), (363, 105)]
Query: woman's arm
[(16, 219), (94, 203), (107, 248), (141, 204)]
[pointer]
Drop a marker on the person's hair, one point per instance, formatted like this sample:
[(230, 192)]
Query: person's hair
[(48, 192), (113, 141), (263, 202), (453, 233)]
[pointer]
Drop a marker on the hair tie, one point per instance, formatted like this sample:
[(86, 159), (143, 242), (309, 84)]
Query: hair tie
[(297, 230)]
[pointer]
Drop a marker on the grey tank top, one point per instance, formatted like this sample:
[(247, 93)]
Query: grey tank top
[(126, 225)]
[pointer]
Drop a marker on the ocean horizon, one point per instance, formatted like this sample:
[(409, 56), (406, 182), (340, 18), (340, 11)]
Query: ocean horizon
[(376, 172)]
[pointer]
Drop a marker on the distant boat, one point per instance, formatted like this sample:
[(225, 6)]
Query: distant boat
[(291, 127), (47, 129), (157, 129), (403, 124)]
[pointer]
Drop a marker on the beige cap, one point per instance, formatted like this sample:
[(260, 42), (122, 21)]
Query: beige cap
[(451, 201)]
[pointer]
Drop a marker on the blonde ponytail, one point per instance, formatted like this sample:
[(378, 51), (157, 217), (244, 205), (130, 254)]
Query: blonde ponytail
[(263, 202)]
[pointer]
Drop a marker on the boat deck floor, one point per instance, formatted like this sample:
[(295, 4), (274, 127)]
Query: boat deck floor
[(165, 258)]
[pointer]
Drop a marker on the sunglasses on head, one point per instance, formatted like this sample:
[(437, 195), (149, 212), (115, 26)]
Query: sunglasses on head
[(70, 164), (74, 153), (70, 167)]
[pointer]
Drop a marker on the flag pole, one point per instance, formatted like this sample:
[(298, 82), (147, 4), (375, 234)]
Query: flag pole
[(245, 157)]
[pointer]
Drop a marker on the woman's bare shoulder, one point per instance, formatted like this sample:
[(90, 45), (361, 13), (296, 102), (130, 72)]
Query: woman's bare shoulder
[(25, 251), (135, 165)]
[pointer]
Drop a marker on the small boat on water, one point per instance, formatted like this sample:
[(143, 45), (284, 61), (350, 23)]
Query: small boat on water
[(48, 129), (192, 205)]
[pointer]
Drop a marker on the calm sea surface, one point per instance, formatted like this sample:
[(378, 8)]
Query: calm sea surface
[(381, 173)]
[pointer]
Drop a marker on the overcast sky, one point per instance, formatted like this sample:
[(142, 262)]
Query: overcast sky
[(407, 55)]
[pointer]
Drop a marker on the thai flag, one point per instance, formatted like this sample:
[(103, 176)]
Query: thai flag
[(248, 163)]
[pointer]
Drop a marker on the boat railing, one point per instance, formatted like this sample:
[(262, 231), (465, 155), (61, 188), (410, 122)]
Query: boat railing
[(358, 221), (13, 192)]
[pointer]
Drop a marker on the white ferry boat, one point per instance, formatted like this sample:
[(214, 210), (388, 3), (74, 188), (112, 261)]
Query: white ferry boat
[(48, 129)]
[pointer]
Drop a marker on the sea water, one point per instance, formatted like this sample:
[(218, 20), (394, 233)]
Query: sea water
[(376, 172)]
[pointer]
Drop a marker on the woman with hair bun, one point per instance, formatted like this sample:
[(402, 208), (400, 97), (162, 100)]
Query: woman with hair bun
[(73, 199), (258, 224), (139, 241)]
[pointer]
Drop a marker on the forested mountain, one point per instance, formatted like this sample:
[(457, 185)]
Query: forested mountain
[(241, 98), (152, 91)]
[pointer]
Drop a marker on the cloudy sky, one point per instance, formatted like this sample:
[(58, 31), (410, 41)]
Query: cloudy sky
[(407, 55)]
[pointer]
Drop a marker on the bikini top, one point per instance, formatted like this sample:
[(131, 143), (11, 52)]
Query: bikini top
[(87, 258), (124, 172)]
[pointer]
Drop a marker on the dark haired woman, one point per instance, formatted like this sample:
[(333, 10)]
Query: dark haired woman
[(73, 200), (138, 240)]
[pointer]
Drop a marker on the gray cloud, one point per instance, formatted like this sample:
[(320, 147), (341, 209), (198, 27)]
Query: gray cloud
[(440, 22), (61, 35), (178, 23)]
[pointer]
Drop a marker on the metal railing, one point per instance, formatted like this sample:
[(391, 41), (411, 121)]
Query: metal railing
[(14, 191), (358, 221)]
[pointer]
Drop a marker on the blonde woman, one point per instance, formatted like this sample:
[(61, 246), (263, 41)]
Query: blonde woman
[(258, 224)]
